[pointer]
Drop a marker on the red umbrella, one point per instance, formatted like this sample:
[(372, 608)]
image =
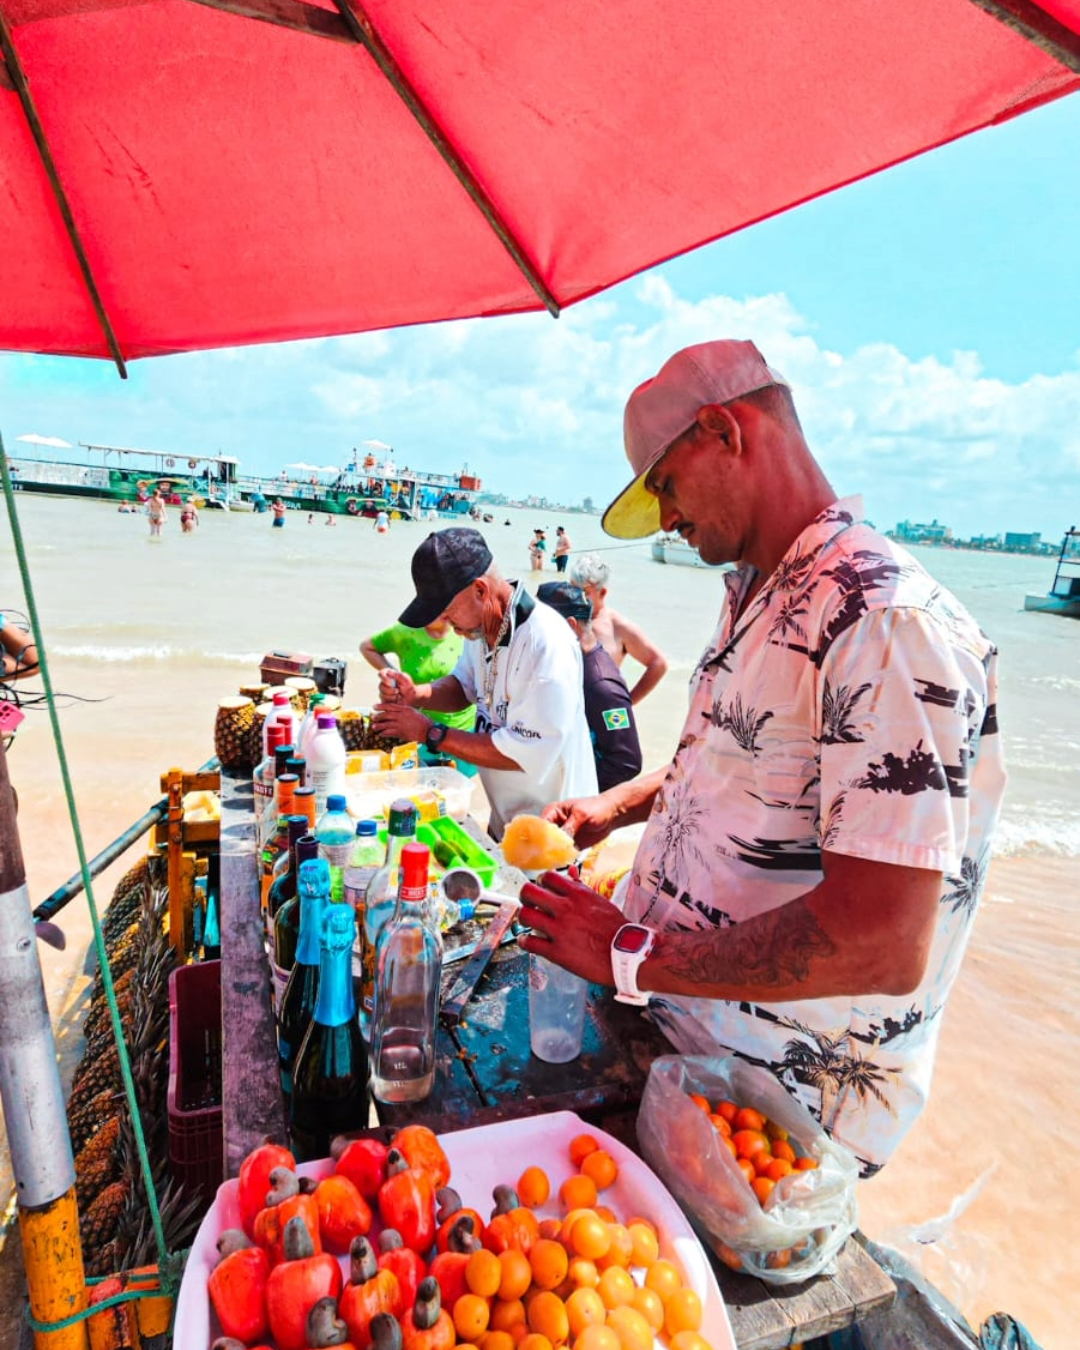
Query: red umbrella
[(178, 175)]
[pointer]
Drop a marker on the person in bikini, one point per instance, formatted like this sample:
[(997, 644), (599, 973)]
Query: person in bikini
[(18, 650)]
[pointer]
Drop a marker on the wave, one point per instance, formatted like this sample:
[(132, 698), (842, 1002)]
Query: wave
[(156, 652), (1036, 834)]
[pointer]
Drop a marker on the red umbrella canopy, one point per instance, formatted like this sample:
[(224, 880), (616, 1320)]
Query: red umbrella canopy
[(178, 175)]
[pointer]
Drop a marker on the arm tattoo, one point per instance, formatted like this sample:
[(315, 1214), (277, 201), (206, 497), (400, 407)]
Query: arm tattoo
[(771, 951)]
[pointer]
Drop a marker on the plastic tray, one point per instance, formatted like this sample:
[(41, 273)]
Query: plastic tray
[(195, 1131), (480, 1159), (370, 794), (430, 832)]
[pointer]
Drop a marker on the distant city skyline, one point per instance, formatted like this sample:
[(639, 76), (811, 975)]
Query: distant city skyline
[(926, 318)]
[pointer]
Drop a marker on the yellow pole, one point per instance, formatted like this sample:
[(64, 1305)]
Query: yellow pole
[(54, 1270)]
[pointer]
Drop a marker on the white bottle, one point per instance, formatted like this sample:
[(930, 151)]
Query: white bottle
[(307, 724), (325, 761), (281, 714)]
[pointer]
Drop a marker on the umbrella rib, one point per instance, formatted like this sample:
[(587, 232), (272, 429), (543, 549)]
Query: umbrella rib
[(365, 33), (18, 78), (1031, 21)]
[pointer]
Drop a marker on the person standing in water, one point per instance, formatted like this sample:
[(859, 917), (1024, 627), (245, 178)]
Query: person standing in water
[(156, 513), (278, 509), (189, 516), (562, 549)]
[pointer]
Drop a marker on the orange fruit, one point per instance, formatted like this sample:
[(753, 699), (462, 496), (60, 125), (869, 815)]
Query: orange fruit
[(583, 1274), (749, 1142), (746, 1118), (689, 1340), (778, 1260), (762, 1187), (597, 1338), (601, 1167), (533, 1187), (515, 1275), (534, 1342), (621, 1249), (582, 1145), (729, 1110), (471, 1316), (702, 1102), (762, 1162), (682, 1312), (664, 1278), (719, 1123), (730, 1145), (606, 1213), (585, 1308), (644, 1245), (550, 1228), (805, 1164), (747, 1168), (631, 1327), (590, 1237), (506, 1313), (483, 1273), (775, 1131), (782, 1149), (616, 1287), (579, 1192), (547, 1317), (651, 1306), (549, 1262), (779, 1167), (497, 1340)]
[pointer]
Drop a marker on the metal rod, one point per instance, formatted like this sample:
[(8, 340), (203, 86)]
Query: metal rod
[(64, 894), (22, 88), (1032, 22), (32, 1100)]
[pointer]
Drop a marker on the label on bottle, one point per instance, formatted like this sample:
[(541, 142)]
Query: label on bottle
[(279, 979)]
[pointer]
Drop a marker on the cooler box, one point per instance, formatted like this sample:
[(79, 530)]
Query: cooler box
[(196, 1141), (277, 665)]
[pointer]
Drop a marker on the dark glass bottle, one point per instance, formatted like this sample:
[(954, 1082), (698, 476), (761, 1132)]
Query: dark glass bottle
[(211, 934), (302, 986), (330, 1074), (287, 916)]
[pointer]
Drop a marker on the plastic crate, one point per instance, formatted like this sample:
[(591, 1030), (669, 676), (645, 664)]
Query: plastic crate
[(196, 1144)]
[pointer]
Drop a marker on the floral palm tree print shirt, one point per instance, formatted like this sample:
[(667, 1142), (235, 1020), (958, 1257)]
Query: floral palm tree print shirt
[(851, 708)]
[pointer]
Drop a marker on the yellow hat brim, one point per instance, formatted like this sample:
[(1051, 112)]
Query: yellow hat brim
[(634, 514)]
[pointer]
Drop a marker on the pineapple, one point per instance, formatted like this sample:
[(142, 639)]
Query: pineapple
[(354, 729), (98, 1162), (232, 733), (98, 1226), (84, 1118)]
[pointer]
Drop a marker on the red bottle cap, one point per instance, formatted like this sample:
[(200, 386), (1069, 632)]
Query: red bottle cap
[(415, 861)]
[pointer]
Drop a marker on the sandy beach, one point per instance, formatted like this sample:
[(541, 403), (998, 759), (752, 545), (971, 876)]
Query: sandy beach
[(983, 1194)]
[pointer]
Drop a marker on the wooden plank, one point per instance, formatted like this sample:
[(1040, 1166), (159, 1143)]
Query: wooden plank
[(206, 780), (251, 1093)]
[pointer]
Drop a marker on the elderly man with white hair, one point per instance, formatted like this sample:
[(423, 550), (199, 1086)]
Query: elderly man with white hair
[(616, 634)]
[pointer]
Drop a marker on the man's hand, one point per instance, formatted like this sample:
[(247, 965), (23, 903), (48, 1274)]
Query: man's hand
[(571, 924), (587, 820), (400, 722), (396, 687)]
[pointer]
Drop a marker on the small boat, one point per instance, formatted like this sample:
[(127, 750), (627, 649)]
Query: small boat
[(1064, 595), (123, 475), (669, 548)]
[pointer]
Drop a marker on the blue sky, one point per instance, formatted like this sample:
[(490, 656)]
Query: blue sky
[(928, 319)]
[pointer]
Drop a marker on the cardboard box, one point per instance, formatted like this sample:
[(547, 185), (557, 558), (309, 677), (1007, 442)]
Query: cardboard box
[(277, 665)]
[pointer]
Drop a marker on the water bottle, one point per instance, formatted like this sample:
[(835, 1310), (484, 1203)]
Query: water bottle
[(280, 714), (330, 1073), (336, 835), (380, 901), (368, 855), (302, 987), (407, 990), (325, 761)]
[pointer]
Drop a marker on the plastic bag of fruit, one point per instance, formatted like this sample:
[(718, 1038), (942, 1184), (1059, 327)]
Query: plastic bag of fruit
[(766, 1187)]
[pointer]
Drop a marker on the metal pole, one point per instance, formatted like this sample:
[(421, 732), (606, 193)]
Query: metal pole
[(33, 1105)]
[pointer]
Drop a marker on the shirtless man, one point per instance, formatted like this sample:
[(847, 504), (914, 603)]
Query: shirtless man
[(617, 635), (155, 510)]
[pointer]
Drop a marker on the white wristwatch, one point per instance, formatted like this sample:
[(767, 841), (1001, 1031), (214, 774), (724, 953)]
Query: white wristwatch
[(629, 947)]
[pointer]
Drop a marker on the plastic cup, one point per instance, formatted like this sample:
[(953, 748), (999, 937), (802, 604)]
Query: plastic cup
[(556, 1011)]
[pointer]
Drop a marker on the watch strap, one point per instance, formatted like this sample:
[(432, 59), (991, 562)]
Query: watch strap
[(624, 969)]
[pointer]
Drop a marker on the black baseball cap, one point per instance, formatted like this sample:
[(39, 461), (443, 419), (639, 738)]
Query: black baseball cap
[(444, 564), (570, 601)]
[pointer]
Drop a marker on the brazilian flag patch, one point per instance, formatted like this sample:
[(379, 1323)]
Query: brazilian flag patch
[(616, 719)]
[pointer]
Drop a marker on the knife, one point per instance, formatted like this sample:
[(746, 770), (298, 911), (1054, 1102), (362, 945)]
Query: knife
[(467, 980)]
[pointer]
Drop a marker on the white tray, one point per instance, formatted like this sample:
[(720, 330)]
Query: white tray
[(480, 1159)]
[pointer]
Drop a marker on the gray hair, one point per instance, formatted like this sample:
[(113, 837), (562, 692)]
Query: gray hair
[(589, 570)]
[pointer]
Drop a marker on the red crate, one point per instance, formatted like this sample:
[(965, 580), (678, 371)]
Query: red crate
[(196, 1146)]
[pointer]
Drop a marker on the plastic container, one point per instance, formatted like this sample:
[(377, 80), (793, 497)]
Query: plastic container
[(468, 851), (280, 714), (196, 1147), (370, 794), (325, 761), (336, 835)]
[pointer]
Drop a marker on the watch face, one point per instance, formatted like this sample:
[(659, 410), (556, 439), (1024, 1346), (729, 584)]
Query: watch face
[(631, 939)]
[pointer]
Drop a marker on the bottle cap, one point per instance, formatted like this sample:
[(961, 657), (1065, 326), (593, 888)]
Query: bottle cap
[(325, 720), (281, 698), (367, 828), (338, 927), (336, 801), (282, 753), (402, 819), (415, 861), (276, 733), (298, 827), (307, 846)]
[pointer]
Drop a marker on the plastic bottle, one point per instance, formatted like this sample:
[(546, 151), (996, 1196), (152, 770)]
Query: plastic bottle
[(336, 834), (280, 714), (368, 855), (277, 842), (407, 990), (380, 901), (307, 723), (326, 761), (304, 805), (301, 989), (272, 812), (330, 1073), (287, 918), (262, 780), (211, 934)]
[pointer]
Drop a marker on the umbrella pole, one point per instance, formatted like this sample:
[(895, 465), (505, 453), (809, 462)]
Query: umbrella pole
[(33, 1106)]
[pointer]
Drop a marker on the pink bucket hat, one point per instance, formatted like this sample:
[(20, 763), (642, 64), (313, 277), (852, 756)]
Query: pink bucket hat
[(663, 408)]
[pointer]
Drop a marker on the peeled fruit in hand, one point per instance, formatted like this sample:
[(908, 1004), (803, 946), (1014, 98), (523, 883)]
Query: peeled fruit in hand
[(535, 845)]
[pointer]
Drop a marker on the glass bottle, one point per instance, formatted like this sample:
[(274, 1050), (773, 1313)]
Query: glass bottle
[(276, 845), (380, 901), (368, 855), (211, 934), (298, 1001), (262, 780), (297, 764), (284, 864), (330, 1073), (287, 918), (407, 990), (335, 833)]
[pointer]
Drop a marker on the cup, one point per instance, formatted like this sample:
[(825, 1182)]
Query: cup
[(556, 1011)]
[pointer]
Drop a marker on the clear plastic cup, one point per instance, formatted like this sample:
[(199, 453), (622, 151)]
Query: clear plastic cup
[(556, 1011)]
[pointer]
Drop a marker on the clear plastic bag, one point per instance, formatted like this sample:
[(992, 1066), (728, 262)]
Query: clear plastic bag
[(808, 1215)]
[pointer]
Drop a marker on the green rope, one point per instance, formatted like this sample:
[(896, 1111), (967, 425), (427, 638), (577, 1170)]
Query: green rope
[(84, 870), (126, 1296)]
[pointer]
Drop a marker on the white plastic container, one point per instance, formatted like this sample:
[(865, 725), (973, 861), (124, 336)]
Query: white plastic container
[(370, 794), (325, 761), (282, 715)]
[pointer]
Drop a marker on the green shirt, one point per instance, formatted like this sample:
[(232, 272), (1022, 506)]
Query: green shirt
[(426, 660)]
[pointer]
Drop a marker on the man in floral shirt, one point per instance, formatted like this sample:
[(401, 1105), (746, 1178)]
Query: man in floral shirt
[(815, 852)]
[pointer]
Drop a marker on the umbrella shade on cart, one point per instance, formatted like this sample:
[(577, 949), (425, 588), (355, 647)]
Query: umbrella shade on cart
[(180, 175)]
